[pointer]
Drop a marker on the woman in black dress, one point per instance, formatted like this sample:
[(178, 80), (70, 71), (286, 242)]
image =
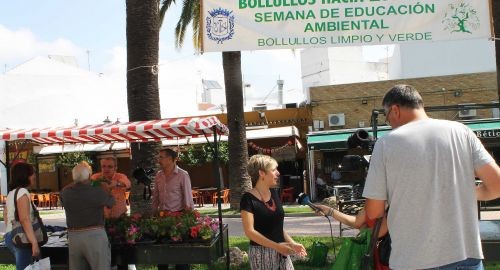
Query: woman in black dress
[(262, 216)]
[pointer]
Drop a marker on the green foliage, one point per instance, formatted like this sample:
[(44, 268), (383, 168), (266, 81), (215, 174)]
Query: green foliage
[(242, 243), (223, 152), (196, 155), (193, 156), (71, 159), (31, 158)]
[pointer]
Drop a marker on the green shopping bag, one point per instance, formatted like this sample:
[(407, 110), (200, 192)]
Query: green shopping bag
[(352, 251), (318, 254)]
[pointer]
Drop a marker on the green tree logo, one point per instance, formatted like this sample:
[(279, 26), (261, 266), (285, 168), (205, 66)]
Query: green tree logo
[(460, 17)]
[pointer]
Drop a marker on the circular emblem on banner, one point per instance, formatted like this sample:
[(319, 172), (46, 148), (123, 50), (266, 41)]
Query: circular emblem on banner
[(220, 25)]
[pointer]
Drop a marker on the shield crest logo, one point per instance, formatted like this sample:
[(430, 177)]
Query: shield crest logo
[(220, 25)]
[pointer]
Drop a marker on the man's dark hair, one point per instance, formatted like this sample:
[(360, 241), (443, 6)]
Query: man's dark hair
[(171, 153), (403, 95), (21, 173)]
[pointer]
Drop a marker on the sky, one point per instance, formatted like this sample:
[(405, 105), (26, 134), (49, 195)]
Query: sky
[(94, 32)]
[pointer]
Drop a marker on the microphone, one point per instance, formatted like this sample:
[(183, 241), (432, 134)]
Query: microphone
[(303, 199)]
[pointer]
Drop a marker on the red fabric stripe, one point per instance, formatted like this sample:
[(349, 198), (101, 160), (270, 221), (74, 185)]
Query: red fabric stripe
[(154, 130)]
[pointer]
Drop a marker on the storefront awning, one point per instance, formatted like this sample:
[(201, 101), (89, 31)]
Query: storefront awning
[(279, 132), (253, 134), (337, 140), (486, 130)]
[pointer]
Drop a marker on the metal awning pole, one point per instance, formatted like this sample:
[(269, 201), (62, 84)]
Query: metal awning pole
[(7, 163), (219, 181), (375, 123)]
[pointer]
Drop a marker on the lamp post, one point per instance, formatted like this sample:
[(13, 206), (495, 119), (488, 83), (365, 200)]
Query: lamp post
[(280, 92), (107, 121)]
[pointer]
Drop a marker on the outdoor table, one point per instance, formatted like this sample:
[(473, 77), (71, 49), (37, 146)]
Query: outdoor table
[(152, 254), (207, 193)]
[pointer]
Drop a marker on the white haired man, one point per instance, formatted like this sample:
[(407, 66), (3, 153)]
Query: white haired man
[(83, 204)]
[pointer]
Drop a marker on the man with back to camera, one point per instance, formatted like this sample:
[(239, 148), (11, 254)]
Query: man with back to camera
[(172, 190), (118, 183), (424, 169), (88, 244)]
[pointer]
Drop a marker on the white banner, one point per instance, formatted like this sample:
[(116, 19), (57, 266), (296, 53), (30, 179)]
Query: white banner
[(238, 25)]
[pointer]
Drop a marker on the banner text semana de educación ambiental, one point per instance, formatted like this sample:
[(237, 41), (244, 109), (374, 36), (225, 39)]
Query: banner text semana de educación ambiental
[(238, 25)]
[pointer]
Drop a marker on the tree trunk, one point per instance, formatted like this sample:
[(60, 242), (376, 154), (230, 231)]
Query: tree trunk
[(239, 180), (496, 25), (143, 28)]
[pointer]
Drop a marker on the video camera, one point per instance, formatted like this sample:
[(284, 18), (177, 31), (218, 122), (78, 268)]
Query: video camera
[(361, 139), (354, 165), (144, 176)]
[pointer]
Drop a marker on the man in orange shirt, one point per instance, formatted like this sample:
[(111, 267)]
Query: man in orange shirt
[(118, 183)]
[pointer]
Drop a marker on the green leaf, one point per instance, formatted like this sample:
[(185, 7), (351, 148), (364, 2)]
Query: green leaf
[(72, 159)]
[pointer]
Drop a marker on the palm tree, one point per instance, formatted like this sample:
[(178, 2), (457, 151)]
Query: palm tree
[(143, 28), (496, 25), (239, 180)]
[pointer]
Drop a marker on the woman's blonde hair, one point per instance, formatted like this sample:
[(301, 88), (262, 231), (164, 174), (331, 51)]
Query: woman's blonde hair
[(81, 172), (258, 163)]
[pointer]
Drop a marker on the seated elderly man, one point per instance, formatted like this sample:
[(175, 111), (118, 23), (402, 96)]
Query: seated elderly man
[(83, 204)]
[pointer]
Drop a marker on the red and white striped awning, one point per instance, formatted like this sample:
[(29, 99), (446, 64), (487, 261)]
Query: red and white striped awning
[(143, 131)]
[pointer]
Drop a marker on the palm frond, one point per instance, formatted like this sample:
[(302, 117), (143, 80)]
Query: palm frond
[(196, 26), (184, 20), (165, 4)]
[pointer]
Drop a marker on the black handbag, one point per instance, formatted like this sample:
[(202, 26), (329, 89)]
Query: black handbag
[(384, 249), (19, 237), (368, 262)]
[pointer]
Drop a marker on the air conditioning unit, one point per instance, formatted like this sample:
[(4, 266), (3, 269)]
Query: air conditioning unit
[(336, 119), (259, 107), (467, 112)]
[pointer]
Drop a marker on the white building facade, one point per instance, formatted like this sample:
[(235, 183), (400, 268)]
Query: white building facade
[(343, 65)]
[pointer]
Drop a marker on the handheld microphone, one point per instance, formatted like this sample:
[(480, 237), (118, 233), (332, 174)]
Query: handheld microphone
[(303, 199)]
